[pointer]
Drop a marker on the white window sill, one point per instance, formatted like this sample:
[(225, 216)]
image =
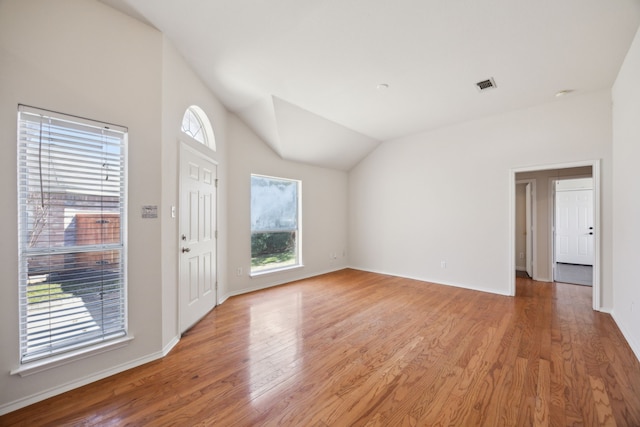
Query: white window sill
[(275, 270), (36, 366)]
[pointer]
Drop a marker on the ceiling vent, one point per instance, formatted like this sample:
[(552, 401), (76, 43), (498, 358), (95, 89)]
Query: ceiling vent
[(486, 84)]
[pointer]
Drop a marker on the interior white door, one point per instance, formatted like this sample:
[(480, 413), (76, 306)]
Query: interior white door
[(529, 229), (574, 227), (197, 244)]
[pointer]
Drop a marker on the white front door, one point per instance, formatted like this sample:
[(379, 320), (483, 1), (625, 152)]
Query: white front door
[(574, 227), (197, 244)]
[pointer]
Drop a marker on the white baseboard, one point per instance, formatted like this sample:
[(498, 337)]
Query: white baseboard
[(423, 279), (635, 346), (167, 348), (271, 284), (37, 397)]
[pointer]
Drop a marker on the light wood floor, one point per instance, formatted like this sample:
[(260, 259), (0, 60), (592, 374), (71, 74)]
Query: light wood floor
[(354, 348)]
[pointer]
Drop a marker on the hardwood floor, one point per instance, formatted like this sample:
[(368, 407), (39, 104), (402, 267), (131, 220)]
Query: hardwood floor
[(353, 348)]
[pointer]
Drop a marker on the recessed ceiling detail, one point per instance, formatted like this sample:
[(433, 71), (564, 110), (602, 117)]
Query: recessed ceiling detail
[(302, 136), (486, 84)]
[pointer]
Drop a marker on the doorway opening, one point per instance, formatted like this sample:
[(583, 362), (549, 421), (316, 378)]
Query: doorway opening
[(197, 192), (544, 262)]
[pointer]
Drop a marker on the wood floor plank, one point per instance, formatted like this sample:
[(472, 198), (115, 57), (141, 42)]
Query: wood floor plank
[(557, 412), (543, 395), (508, 385), (603, 407), (364, 349), (432, 387)]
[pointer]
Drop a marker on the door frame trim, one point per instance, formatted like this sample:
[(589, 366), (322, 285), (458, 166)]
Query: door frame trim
[(595, 172)]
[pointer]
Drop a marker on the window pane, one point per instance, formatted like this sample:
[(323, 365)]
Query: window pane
[(273, 250), (274, 204), (71, 304), (196, 124), (192, 126), (274, 223)]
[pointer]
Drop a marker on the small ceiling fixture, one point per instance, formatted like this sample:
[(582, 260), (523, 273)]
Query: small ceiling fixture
[(487, 84), (563, 93), (382, 86)]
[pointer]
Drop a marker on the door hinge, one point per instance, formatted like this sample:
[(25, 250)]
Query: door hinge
[(216, 234), (216, 182)]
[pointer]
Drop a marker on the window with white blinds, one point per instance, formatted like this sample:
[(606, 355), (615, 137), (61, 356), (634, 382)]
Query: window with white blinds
[(71, 191)]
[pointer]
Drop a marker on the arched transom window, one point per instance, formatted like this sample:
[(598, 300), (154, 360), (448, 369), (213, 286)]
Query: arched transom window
[(196, 124)]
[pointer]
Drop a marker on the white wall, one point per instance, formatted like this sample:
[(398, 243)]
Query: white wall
[(324, 211), (626, 200), (83, 58), (182, 88), (444, 195)]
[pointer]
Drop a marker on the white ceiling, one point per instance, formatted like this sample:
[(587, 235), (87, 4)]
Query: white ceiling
[(304, 73)]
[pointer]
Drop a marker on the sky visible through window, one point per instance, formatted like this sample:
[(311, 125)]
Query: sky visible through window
[(274, 204), (192, 126)]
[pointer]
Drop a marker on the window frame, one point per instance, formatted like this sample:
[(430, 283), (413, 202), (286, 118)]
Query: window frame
[(74, 134), (297, 230)]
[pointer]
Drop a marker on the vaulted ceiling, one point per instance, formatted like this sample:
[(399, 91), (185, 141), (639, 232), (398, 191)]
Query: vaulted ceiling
[(325, 81)]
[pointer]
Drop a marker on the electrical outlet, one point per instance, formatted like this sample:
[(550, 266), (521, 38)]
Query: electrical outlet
[(239, 271), (443, 264), (521, 255)]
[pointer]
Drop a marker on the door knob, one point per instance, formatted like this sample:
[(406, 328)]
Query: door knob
[(186, 250)]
